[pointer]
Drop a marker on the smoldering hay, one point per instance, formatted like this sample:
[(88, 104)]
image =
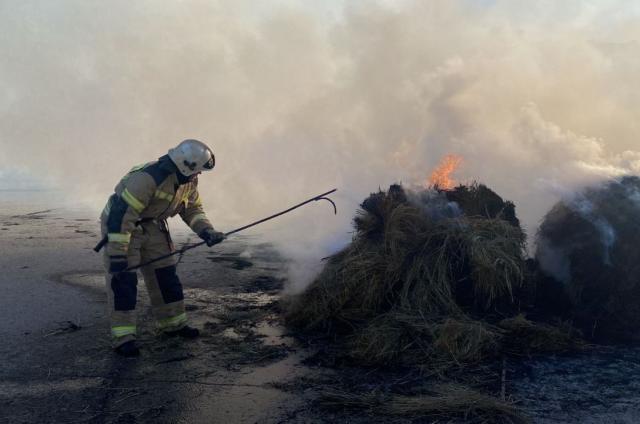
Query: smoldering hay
[(297, 98), (434, 281), (588, 242)]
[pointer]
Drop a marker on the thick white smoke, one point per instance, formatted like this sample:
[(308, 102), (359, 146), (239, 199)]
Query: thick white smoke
[(538, 97)]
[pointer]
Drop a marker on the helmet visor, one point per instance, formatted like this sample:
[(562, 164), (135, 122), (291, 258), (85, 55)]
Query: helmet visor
[(210, 163)]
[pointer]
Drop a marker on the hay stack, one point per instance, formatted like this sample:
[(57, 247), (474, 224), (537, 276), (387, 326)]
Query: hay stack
[(424, 282), (590, 245), (434, 280), (480, 201)]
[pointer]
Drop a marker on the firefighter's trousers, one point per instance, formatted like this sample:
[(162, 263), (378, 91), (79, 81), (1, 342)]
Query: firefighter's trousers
[(149, 240)]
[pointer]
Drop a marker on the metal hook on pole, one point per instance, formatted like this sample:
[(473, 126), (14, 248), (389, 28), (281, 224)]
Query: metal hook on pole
[(335, 209), (237, 230)]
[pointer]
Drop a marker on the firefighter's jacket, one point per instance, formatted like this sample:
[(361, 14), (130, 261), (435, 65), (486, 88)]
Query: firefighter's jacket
[(150, 191)]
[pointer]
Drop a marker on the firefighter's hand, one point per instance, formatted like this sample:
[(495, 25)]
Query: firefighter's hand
[(117, 263), (211, 236)]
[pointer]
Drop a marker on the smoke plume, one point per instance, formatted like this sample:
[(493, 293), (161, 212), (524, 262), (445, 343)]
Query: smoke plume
[(538, 98)]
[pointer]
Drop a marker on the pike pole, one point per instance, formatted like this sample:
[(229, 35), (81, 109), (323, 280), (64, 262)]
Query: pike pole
[(237, 230)]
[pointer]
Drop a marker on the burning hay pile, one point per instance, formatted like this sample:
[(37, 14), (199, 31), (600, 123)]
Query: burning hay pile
[(426, 281), (433, 280), (589, 244)]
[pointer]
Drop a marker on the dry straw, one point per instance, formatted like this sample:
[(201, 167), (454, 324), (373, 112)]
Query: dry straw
[(421, 286)]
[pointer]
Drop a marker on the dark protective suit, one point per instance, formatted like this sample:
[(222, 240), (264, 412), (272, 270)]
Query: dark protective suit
[(134, 222)]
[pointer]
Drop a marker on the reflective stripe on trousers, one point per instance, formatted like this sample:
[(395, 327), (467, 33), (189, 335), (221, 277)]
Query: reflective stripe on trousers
[(173, 322), (123, 330)]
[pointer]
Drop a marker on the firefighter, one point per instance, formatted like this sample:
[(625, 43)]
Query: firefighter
[(135, 229)]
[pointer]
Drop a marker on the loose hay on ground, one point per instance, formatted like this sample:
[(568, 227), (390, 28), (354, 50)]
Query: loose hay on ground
[(442, 401), (525, 337)]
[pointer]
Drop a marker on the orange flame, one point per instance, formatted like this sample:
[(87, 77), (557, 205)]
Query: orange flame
[(441, 176)]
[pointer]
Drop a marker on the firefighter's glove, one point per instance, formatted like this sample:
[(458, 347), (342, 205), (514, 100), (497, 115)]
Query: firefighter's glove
[(117, 263), (211, 236)]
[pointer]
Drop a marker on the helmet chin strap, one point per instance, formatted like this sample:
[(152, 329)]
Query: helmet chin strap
[(183, 179)]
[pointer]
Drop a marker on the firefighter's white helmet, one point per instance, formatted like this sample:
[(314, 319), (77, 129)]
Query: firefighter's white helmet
[(192, 156)]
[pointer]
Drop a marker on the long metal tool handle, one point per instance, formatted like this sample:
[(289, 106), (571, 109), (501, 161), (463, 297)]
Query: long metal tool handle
[(237, 230)]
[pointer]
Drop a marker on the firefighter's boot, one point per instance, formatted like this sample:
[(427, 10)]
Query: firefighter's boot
[(128, 349)]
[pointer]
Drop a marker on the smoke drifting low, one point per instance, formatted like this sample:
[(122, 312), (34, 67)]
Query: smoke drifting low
[(537, 97)]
